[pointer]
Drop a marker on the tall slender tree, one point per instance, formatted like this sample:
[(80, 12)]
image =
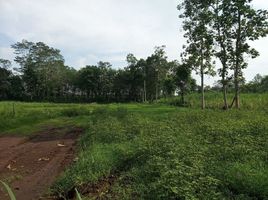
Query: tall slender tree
[(222, 24), (248, 24), (199, 49)]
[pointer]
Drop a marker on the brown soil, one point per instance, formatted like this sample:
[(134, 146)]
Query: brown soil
[(31, 165), (100, 189)]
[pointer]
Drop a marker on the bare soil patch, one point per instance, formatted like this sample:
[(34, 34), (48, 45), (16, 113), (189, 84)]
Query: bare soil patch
[(31, 165)]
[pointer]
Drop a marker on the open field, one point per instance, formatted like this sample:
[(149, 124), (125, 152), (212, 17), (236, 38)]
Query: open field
[(153, 151), (98, 103)]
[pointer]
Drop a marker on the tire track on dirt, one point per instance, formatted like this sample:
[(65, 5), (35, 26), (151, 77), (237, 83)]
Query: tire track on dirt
[(32, 165)]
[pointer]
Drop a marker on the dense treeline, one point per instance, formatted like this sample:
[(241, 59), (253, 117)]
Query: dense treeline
[(259, 84), (43, 76)]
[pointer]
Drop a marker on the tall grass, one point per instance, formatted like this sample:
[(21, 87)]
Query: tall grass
[(9, 191), (214, 100)]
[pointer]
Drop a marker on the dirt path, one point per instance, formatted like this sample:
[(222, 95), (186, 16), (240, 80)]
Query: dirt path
[(31, 165)]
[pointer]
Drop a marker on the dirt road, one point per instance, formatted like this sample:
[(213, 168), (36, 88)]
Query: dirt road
[(31, 165)]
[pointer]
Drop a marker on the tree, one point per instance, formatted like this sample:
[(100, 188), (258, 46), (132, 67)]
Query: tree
[(41, 67), (182, 74), (259, 84), (264, 84), (156, 72), (169, 86), (16, 89), (142, 65), (11, 86), (5, 64), (88, 81), (199, 49), (96, 82), (5, 75), (106, 80), (236, 22), (248, 24), (135, 78), (222, 24)]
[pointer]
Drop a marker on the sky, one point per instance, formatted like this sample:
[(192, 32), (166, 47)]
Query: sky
[(88, 31)]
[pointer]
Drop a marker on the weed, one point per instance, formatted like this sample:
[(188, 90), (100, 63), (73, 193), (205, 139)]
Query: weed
[(9, 191)]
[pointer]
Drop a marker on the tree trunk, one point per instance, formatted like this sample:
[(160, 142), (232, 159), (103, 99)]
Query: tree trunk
[(144, 91), (202, 89), (202, 82), (224, 85), (222, 41), (226, 107), (182, 97), (237, 62), (236, 98), (156, 90), (156, 93), (224, 82)]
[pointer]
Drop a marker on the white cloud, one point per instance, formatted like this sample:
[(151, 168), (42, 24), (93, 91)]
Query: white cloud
[(6, 53), (91, 30)]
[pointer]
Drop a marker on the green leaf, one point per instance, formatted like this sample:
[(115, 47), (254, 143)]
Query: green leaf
[(9, 191), (78, 195)]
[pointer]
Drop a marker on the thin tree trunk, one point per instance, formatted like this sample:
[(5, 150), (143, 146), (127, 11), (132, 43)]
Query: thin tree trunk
[(144, 91), (232, 103), (237, 62), (202, 89), (223, 61), (226, 107), (224, 85), (156, 88), (182, 97), (203, 105), (156, 93), (236, 98)]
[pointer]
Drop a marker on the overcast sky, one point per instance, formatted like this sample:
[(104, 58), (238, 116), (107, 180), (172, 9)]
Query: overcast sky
[(87, 31)]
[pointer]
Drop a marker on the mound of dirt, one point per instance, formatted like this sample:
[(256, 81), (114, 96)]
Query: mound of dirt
[(31, 165)]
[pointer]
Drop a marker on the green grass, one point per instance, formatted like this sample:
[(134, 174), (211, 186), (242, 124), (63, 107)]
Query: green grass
[(158, 151), (214, 100), (30, 117), (9, 191)]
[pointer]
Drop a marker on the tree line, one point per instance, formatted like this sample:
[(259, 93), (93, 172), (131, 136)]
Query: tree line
[(43, 76)]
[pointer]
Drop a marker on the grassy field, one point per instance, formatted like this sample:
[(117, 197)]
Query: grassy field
[(157, 151)]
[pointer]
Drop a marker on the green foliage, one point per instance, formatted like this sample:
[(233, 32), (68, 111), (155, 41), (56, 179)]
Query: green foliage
[(44, 77), (9, 191), (75, 111), (258, 85), (157, 151), (214, 101), (42, 68), (5, 64), (78, 195), (5, 76), (173, 154)]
